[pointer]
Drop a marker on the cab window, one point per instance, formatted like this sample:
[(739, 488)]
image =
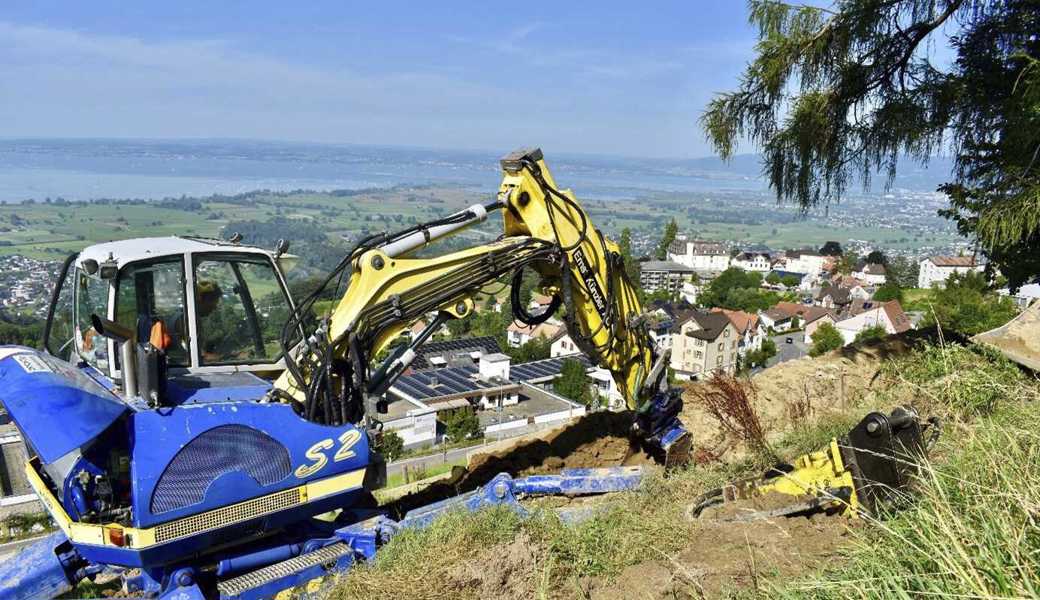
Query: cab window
[(61, 333), (91, 298), (149, 293), (241, 308)]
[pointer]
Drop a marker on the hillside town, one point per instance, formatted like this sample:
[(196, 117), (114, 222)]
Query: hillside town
[(822, 302), (716, 308)]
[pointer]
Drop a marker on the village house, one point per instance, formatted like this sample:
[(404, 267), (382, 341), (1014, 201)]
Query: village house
[(753, 261), (453, 353), (518, 334), (701, 256), (508, 399), (665, 275), (749, 327), (703, 344), (837, 297), (775, 319), (935, 270), (869, 273), (808, 262), (865, 315), (815, 319)]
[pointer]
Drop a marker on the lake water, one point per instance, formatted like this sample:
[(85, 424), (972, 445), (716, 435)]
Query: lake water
[(153, 169)]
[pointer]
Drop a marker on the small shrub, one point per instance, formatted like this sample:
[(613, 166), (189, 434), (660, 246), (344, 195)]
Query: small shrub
[(826, 338), (730, 401)]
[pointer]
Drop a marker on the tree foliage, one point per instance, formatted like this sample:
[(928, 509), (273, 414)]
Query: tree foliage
[(631, 266), (461, 424), (902, 271), (670, 231), (835, 94), (877, 257), (889, 291), (759, 357), (738, 289), (846, 263), (967, 305), (574, 383), (390, 445), (831, 249), (826, 338), (876, 332)]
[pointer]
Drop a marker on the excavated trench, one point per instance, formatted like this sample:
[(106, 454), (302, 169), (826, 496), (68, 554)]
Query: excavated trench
[(596, 440)]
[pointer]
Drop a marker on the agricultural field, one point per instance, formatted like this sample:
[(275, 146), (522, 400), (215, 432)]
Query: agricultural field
[(51, 230)]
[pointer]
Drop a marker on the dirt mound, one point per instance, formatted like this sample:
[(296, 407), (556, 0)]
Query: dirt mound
[(596, 440), (802, 391), (726, 554), (507, 571)]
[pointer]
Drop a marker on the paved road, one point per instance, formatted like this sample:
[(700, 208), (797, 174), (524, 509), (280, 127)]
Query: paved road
[(459, 454), (784, 351), (8, 549), (453, 455)]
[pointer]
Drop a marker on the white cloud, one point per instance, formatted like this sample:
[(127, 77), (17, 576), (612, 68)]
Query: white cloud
[(56, 82)]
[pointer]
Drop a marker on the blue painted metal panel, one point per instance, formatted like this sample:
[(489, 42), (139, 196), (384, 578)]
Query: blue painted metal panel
[(166, 431), (36, 572), (55, 405)]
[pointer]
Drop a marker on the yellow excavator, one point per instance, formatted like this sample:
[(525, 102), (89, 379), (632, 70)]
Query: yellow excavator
[(545, 230), (198, 462)]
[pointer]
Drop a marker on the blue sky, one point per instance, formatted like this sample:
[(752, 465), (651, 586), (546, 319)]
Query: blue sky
[(623, 78)]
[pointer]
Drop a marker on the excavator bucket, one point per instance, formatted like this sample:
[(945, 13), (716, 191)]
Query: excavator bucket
[(867, 472), (1018, 339)]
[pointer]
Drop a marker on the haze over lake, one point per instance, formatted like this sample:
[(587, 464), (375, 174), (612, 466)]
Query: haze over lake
[(84, 169)]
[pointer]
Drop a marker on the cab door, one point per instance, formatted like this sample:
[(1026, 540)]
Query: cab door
[(58, 330), (240, 307)]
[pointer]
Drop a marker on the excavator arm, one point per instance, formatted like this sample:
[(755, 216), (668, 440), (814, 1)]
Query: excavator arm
[(546, 230)]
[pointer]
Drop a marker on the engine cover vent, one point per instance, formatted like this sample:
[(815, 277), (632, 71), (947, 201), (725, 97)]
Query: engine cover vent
[(213, 453)]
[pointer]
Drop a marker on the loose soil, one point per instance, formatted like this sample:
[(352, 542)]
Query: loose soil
[(801, 392), (596, 440), (725, 554)]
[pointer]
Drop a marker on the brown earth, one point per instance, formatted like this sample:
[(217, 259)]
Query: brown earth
[(597, 440), (801, 392), (731, 554)]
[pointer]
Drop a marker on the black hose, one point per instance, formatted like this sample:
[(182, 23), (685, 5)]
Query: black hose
[(520, 312)]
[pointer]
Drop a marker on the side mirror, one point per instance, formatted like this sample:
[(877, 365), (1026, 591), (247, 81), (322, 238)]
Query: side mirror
[(281, 248)]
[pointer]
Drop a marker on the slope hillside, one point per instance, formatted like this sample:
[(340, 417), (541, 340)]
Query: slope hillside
[(972, 531)]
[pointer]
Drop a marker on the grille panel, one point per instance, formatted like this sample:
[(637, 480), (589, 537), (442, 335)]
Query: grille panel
[(213, 453), (228, 515), (248, 581)]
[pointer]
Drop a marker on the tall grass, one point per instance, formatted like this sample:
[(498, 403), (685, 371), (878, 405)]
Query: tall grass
[(958, 381), (974, 531)]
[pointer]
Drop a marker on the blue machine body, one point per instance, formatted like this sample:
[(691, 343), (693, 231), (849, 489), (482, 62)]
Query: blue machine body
[(55, 405), (216, 451), (215, 447)]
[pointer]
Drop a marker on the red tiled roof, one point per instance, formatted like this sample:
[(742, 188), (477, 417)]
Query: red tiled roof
[(953, 261), (802, 311), (740, 319), (900, 322)]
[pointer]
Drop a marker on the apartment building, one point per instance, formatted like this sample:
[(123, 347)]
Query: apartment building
[(667, 275), (700, 255), (704, 343), (937, 269)]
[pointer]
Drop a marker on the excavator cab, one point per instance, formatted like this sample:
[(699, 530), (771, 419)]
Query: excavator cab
[(215, 307)]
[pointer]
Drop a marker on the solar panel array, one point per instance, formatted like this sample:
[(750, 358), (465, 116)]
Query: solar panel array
[(456, 381), (541, 369), (485, 345), (451, 381)]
